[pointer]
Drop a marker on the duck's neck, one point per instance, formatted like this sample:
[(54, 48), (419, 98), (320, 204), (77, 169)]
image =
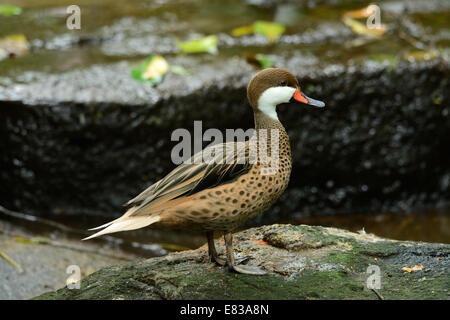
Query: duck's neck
[(266, 122)]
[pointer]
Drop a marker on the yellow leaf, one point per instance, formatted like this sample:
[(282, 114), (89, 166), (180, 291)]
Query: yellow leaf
[(270, 30), (242, 31), (415, 268), (24, 240), (407, 269), (360, 28), (15, 45), (156, 68)]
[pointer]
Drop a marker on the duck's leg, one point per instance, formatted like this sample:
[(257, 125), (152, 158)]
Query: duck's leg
[(213, 256), (233, 265)]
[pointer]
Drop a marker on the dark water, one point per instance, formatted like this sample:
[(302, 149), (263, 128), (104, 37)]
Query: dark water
[(428, 226)]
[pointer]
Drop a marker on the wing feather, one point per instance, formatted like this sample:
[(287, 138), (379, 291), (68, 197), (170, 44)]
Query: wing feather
[(226, 162), (229, 160)]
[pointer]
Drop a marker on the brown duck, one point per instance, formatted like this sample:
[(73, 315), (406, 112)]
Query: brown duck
[(239, 181)]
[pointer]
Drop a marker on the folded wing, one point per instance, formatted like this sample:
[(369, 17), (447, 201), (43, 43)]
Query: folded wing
[(213, 166)]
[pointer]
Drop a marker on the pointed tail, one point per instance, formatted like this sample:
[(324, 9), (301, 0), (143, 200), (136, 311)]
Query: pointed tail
[(124, 225)]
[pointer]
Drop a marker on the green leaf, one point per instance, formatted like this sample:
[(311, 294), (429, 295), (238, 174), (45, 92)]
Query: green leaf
[(9, 10), (264, 60), (270, 30), (41, 240), (259, 60), (207, 44), (36, 240)]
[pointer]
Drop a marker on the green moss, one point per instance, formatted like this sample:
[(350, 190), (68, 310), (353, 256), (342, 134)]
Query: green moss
[(339, 258), (184, 276)]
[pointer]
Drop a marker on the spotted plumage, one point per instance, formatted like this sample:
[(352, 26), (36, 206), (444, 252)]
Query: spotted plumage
[(236, 184)]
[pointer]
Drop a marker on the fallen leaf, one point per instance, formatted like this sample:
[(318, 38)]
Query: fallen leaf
[(152, 70), (270, 30), (157, 67), (357, 27), (242, 31), (407, 269), (14, 45), (24, 240), (36, 240), (261, 242), (259, 60), (207, 44), (360, 28), (415, 268), (41, 240), (9, 10)]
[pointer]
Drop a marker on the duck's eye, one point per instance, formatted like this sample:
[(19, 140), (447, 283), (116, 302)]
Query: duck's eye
[(283, 83)]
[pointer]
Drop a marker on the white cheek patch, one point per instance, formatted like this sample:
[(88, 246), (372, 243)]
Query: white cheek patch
[(272, 97)]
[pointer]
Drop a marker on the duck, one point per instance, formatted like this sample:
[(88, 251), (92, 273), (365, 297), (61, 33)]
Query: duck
[(238, 182)]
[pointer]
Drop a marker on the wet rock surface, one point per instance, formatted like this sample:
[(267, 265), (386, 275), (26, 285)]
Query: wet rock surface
[(78, 135), (378, 145), (303, 262)]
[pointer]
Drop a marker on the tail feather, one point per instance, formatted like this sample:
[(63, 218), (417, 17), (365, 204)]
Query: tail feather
[(124, 225), (127, 214), (102, 226)]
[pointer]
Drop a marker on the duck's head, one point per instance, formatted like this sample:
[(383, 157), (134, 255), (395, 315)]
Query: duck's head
[(273, 86)]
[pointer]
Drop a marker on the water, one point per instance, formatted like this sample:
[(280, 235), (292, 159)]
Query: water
[(427, 226)]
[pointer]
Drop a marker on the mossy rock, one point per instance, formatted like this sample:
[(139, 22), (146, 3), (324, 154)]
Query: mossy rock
[(303, 262)]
